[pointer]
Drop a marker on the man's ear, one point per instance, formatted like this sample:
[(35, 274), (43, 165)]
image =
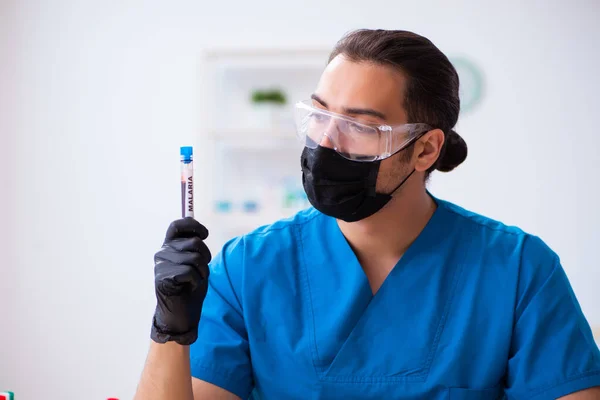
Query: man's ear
[(427, 149)]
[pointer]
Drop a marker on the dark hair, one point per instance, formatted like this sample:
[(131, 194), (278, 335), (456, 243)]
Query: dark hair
[(432, 82)]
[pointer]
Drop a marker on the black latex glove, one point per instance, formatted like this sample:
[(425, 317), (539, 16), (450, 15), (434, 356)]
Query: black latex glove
[(181, 282)]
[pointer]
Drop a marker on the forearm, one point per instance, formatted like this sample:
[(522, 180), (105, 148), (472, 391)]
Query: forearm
[(166, 374)]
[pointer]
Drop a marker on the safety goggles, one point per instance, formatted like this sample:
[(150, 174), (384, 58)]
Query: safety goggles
[(352, 139)]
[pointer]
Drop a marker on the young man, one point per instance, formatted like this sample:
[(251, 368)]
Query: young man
[(380, 290)]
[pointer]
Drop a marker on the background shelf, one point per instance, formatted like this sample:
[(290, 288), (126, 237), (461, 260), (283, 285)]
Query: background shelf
[(252, 150)]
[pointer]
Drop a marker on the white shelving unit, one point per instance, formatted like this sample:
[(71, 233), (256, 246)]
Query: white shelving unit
[(250, 158)]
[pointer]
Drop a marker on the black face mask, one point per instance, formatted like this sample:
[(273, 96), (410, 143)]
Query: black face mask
[(342, 188)]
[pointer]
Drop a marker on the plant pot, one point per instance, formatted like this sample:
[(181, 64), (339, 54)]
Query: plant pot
[(267, 115)]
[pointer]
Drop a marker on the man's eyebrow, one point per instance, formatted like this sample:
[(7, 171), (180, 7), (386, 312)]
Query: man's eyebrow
[(318, 100), (350, 110), (364, 111)]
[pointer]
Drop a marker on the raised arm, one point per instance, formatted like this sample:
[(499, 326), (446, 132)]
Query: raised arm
[(181, 281)]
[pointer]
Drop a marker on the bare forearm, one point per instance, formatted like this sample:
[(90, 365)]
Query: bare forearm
[(166, 374)]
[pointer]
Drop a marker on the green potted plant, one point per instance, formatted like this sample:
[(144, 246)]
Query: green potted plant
[(268, 106), (269, 97)]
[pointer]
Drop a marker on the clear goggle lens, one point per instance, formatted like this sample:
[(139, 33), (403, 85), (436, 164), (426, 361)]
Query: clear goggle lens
[(351, 138)]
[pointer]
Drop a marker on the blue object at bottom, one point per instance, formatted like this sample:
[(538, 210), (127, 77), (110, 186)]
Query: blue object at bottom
[(473, 310)]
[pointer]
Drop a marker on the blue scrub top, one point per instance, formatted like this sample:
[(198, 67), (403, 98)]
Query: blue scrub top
[(474, 310)]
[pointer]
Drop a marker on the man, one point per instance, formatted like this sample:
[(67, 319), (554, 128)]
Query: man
[(380, 290)]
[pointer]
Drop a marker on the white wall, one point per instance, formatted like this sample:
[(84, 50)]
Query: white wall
[(8, 125), (96, 98)]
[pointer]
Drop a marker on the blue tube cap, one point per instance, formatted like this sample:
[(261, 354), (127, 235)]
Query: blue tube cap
[(187, 153)]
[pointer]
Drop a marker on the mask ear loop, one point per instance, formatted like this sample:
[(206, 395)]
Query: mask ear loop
[(401, 183), (413, 171)]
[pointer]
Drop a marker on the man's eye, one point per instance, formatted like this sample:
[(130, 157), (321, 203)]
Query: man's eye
[(358, 128), (318, 117)]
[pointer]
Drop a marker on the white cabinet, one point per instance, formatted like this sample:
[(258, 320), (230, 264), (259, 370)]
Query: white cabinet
[(249, 157)]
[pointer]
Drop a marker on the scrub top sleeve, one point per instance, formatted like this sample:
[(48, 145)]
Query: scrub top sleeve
[(553, 352), (221, 354)]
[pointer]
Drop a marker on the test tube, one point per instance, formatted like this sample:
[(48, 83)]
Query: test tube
[(187, 181)]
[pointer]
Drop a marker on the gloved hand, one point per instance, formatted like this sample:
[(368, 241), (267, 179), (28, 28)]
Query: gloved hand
[(181, 281)]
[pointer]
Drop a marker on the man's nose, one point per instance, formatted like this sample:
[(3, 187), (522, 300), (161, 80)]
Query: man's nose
[(327, 135), (326, 141)]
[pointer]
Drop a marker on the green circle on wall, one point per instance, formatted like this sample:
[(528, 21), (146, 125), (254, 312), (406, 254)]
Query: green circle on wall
[(471, 83)]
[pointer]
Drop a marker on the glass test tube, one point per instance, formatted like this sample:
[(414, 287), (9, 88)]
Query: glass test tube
[(187, 181)]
